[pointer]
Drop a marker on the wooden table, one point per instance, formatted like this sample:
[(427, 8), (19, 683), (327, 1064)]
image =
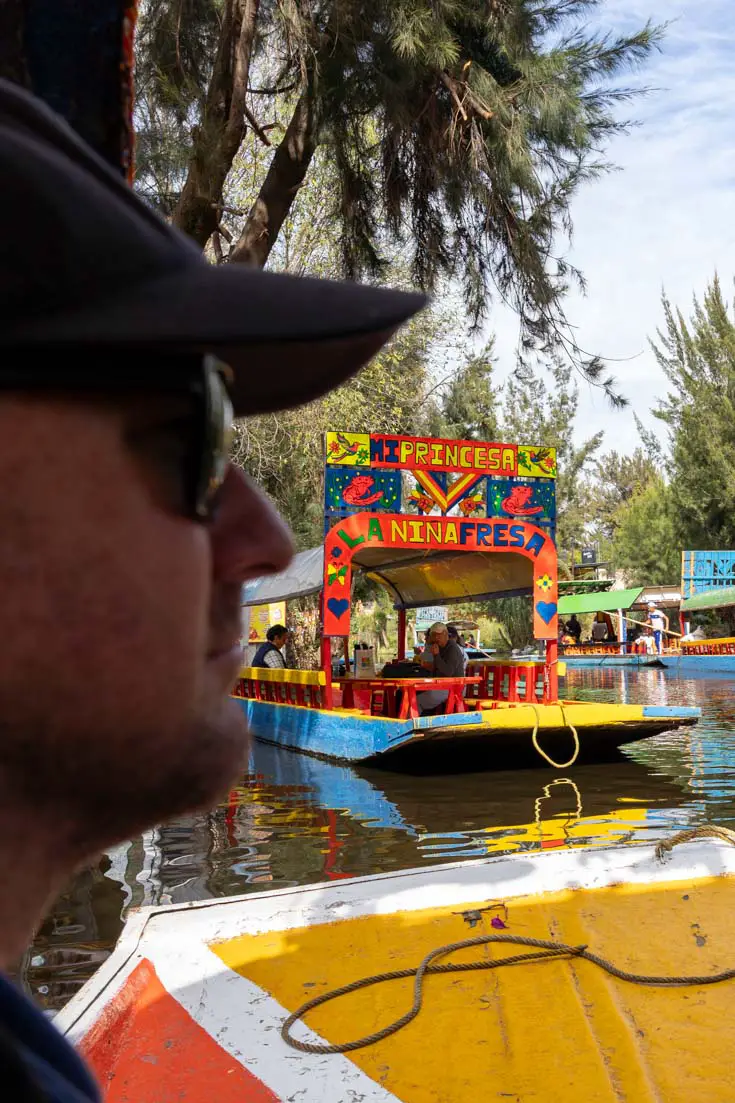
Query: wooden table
[(407, 705)]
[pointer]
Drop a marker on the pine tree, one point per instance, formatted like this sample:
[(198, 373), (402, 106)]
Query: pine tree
[(470, 404), (458, 130), (698, 358), (535, 414), (645, 545)]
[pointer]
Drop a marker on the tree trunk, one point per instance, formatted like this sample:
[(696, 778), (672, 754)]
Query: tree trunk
[(222, 129), (284, 178)]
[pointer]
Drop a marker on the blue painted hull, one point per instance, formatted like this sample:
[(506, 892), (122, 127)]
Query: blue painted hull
[(479, 744), (345, 737), (689, 664)]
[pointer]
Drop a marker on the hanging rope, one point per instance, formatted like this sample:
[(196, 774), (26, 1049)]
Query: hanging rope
[(542, 752), (543, 950)]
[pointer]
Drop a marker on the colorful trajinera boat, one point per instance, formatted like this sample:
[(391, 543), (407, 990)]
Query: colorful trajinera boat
[(624, 966), (707, 585), (435, 522)]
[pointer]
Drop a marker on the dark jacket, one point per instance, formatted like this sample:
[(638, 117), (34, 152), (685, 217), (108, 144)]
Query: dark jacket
[(37, 1065), (263, 650), (449, 663)]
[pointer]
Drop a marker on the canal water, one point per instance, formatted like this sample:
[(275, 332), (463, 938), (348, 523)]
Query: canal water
[(294, 820)]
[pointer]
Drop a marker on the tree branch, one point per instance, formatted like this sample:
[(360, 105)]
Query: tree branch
[(285, 176), (222, 129)]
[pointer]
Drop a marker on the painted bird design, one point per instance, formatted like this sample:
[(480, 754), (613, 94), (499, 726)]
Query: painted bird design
[(348, 449), (544, 458)]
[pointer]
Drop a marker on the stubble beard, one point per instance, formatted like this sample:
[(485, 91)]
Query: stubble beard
[(89, 790)]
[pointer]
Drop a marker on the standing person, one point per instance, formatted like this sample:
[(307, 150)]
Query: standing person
[(125, 533), (270, 653), (659, 623), (445, 660)]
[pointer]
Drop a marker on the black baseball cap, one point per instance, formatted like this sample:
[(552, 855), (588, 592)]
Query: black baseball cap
[(86, 265)]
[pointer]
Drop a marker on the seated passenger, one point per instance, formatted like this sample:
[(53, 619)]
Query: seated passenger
[(445, 660), (599, 629), (269, 653), (454, 635)]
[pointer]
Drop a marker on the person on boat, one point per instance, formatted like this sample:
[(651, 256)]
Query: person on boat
[(126, 534), (574, 628), (270, 653), (445, 659), (659, 624), (455, 636), (599, 629), (696, 635)]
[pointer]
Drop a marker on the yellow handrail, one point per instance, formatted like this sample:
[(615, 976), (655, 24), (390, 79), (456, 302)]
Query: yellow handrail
[(284, 677)]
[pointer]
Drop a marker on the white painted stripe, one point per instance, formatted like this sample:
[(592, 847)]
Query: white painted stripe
[(507, 877), (246, 1022)]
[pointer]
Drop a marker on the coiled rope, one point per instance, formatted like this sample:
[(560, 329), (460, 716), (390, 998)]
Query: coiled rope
[(542, 950)]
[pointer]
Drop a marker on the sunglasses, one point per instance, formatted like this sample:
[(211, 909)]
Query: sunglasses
[(209, 460), (205, 378)]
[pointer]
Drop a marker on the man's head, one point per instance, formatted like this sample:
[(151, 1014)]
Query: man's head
[(439, 634), (277, 635), (125, 537)]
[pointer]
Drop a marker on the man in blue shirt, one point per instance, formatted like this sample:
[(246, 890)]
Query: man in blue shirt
[(125, 534)]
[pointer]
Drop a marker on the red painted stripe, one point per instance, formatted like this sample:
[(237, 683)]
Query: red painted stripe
[(145, 1048)]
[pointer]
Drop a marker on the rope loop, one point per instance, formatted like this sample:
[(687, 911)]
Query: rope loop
[(542, 752), (542, 950)]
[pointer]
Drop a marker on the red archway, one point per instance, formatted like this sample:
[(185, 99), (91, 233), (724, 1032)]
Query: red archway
[(391, 530)]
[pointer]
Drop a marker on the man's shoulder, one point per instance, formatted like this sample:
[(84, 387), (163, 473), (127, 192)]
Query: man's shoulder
[(455, 652)]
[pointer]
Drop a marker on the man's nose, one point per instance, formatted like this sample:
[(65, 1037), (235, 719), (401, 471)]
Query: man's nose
[(249, 537)]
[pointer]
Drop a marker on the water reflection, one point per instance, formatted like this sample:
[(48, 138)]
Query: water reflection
[(295, 820)]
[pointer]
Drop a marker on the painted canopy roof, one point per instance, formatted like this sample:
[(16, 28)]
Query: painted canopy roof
[(412, 578), (599, 603)]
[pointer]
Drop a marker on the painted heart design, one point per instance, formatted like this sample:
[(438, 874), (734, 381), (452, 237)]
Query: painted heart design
[(339, 606), (546, 610)]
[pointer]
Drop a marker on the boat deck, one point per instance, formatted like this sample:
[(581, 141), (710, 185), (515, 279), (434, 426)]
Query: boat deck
[(194, 999)]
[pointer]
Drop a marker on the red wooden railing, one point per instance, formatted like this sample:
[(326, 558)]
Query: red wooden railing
[(517, 682)]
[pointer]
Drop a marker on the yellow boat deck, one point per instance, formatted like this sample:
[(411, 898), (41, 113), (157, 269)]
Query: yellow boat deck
[(191, 1004), (554, 1031)]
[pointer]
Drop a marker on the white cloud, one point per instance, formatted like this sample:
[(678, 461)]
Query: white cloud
[(667, 219)]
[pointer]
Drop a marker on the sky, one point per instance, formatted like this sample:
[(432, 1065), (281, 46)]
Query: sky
[(666, 219)]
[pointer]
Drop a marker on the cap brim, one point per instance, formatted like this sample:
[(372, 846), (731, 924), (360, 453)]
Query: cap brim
[(288, 339)]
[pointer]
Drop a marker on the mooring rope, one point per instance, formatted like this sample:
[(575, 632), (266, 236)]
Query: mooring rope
[(539, 748), (704, 831), (542, 950)]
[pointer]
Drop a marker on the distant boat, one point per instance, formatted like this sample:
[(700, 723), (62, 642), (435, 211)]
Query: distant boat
[(703, 657)]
